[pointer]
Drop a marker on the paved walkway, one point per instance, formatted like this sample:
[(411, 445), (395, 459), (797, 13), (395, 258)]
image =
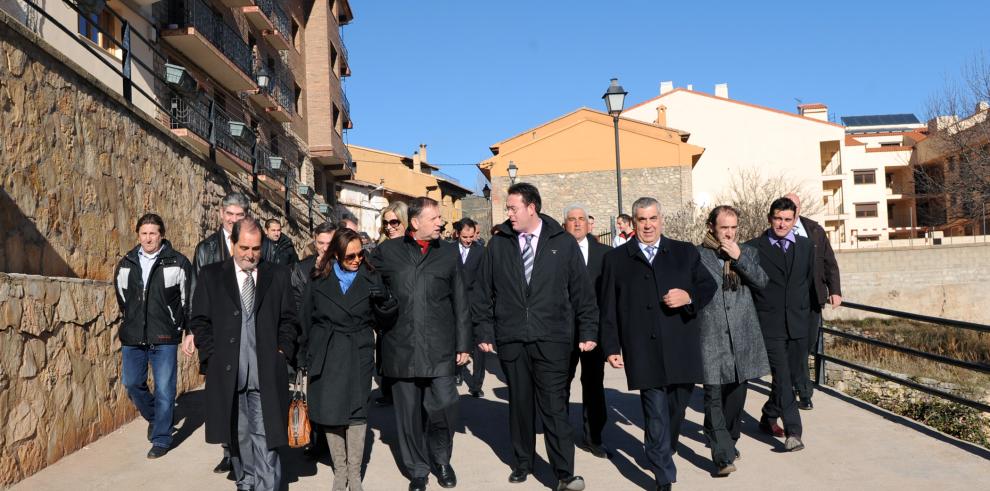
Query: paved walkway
[(850, 445)]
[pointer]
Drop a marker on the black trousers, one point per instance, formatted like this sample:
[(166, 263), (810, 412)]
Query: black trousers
[(425, 416), (785, 360), (723, 419), (803, 384), (592, 391), (663, 413), (536, 373), (473, 373)]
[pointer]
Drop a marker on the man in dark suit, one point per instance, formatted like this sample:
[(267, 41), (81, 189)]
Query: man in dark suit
[(244, 320), (827, 290), (531, 292), (784, 309), (429, 340), (652, 290), (592, 362), (466, 233), (216, 249)]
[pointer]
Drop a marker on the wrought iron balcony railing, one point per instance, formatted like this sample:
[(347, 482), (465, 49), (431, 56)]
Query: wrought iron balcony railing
[(238, 146), (191, 113), (209, 23), (280, 84), (278, 17)]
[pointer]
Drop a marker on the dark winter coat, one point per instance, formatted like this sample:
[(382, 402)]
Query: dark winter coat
[(216, 323), (284, 252), (432, 324), (559, 298), (659, 345), (337, 345), (154, 313)]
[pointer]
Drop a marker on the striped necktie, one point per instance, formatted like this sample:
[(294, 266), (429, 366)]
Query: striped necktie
[(650, 252), (528, 256), (247, 292)]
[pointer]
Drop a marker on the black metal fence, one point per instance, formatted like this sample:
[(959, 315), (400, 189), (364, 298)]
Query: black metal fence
[(821, 357), (209, 23), (278, 17)]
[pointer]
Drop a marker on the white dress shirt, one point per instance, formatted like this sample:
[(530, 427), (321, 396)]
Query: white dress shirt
[(241, 275), (464, 252), (656, 249), (799, 228), (583, 245)]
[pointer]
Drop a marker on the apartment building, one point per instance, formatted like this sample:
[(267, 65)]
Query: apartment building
[(249, 84)]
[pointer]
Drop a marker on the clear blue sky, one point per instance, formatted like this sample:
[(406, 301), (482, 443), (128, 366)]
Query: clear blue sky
[(461, 75)]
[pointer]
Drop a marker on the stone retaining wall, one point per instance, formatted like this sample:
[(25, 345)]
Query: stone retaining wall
[(60, 385)]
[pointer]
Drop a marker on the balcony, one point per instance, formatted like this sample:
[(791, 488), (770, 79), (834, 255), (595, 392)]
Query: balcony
[(201, 35), (835, 212), (335, 157), (345, 67), (267, 17), (189, 120), (346, 104), (233, 152), (276, 96), (272, 179)]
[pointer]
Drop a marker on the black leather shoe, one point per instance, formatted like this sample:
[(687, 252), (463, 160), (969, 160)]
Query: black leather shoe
[(805, 404), (664, 487), (383, 401), (156, 452), (445, 475), (477, 394), (518, 475), (573, 483), (418, 484), (597, 450), (223, 467)]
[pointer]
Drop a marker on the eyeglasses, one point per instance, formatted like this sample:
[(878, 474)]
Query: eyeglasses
[(356, 255), (391, 223)]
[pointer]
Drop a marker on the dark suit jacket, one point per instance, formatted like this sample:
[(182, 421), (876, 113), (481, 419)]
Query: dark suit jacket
[(826, 267), (660, 346), (216, 323), (784, 304), (470, 268), (596, 260)]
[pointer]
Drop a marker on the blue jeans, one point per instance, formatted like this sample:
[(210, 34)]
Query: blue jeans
[(157, 408)]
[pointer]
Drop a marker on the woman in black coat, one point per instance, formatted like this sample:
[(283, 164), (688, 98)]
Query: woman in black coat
[(341, 306)]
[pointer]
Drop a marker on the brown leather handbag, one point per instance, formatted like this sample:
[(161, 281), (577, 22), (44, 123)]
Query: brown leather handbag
[(299, 426)]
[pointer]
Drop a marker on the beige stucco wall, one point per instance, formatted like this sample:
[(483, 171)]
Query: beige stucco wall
[(739, 136)]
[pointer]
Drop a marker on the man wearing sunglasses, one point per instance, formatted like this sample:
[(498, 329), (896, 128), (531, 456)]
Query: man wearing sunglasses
[(426, 344)]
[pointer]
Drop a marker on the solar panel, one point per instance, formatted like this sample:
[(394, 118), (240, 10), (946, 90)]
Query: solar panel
[(880, 120)]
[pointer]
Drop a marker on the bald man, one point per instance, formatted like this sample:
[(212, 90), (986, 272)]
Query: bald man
[(826, 290)]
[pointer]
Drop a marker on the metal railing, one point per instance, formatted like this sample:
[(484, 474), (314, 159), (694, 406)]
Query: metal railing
[(278, 17), (192, 113), (821, 357), (209, 23), (279, 85), (346, 103)]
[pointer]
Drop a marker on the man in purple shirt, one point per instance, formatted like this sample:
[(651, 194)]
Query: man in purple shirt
[(784, 309)]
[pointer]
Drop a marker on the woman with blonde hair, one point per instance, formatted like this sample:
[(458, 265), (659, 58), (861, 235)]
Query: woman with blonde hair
[(395, 221)]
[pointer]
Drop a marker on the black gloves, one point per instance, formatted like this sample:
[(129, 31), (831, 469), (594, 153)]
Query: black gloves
[(378, 294)]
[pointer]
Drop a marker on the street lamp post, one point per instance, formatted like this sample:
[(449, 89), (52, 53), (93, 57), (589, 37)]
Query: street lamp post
[(487, 193), (615, 97), (512, 172)]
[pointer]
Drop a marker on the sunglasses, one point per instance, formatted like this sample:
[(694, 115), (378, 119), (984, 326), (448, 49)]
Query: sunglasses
[(391, 223), (356, 255)]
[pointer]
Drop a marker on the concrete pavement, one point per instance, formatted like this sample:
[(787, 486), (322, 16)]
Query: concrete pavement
[(850, 445)]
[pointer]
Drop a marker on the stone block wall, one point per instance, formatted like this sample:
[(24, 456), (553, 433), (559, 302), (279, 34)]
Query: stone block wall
[(596, 190), (60, 385), (946, 281), (78, 166)]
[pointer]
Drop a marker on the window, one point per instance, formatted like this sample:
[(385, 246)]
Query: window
[(866, 210), (865, 176), (868, 238), (336, 118), (890, 144), (296, 36), (298, 99), (90, 27)]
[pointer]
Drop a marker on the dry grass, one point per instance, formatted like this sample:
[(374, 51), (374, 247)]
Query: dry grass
[(962, 344)]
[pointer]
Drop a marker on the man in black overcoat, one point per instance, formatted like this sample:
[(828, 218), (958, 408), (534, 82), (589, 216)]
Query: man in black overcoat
[(430, 338), (244, 321), (784, 309), (593, 406), (532, 291), (652, 290)]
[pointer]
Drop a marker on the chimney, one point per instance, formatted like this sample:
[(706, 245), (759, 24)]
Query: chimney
[(814, 111), (662, 115), (422, 153), (690, 86), (722, 90), (416, 163), (666, 86)]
